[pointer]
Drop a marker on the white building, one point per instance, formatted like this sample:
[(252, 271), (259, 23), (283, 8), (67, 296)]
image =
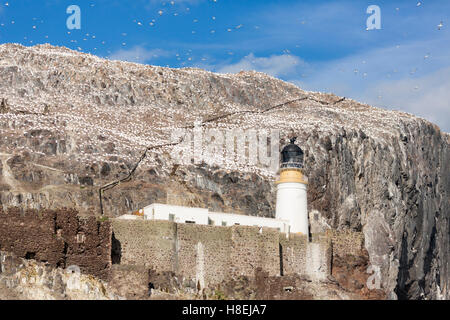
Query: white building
[(180, 214), (229, 219)]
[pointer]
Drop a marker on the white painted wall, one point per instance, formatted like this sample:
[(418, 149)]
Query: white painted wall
[(181, 214), (292, 206), (231, 219), (202, 216), (129, 217)]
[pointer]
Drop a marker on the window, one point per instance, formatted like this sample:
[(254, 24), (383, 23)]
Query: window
[(191, 222), (210, 222), (224, 224), (171, 217)]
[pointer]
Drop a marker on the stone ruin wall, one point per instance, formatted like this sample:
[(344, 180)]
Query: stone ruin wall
[(58, 237)]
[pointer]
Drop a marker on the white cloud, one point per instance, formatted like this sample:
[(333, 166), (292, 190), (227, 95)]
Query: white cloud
[(427, 96), (275, 65), (412, 77), (138, 54)]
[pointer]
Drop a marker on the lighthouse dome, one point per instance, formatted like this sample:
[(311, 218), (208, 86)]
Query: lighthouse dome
[(292, 156)]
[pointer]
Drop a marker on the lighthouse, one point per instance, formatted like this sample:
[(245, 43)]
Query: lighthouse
[(291, 190)]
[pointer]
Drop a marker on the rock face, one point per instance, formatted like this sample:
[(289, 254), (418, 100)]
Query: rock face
[(72, 122), (22, 279)]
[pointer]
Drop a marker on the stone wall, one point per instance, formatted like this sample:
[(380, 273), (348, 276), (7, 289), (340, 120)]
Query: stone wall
[(252, 249), (203, 253), (293, 254), (319, 257), (145, 243), (346, 242), (209, 255), (313, 259), (58, 237)]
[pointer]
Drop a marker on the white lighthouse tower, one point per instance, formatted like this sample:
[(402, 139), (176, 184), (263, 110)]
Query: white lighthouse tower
[(291, 190)]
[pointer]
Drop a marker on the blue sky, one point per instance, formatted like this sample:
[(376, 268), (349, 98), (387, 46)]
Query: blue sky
[(318, 45)]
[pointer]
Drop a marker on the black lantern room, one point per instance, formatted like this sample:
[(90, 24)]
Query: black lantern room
[(292, 155)]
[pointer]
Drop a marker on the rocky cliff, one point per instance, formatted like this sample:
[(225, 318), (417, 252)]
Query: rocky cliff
[(71, 123), (22, 279)]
